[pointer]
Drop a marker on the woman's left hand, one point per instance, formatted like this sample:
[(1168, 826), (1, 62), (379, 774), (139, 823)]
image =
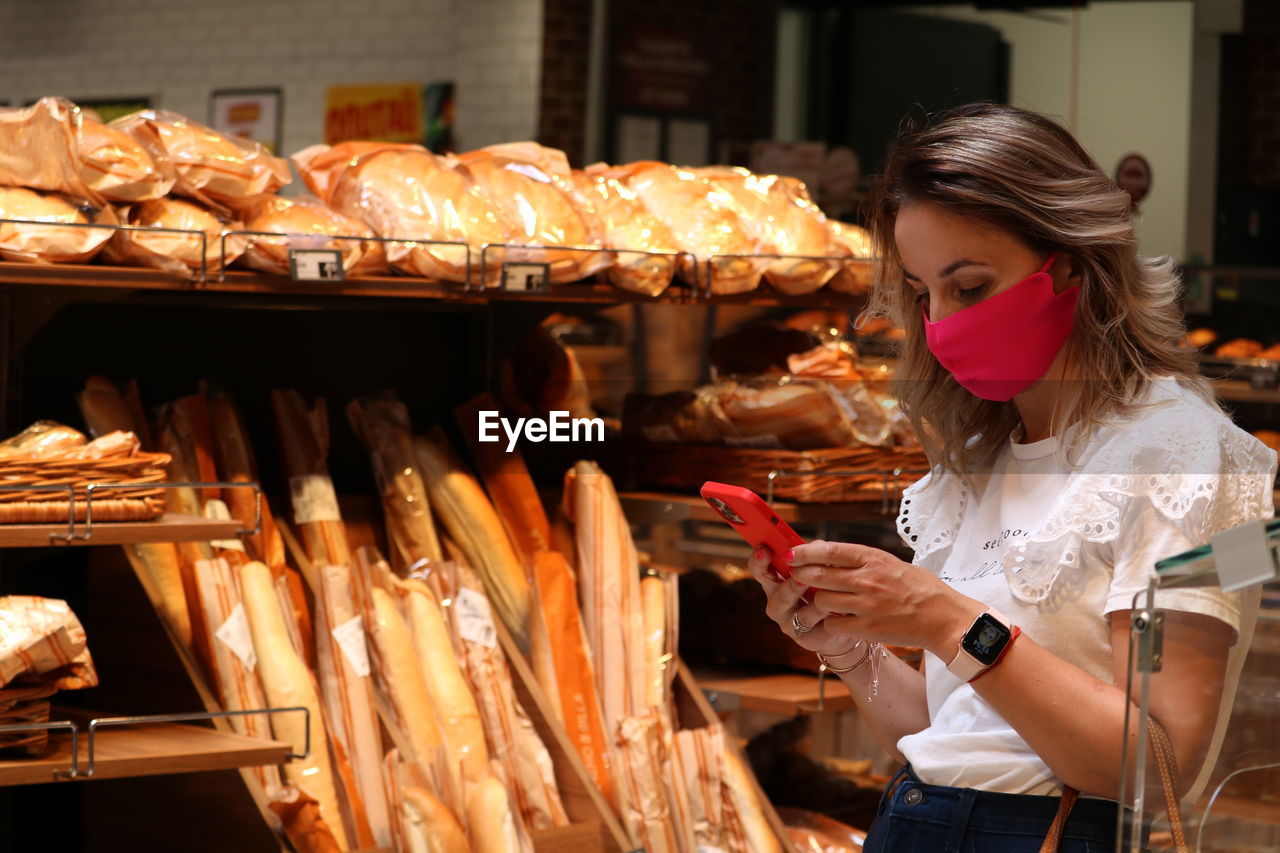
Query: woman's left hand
[(868, 592)]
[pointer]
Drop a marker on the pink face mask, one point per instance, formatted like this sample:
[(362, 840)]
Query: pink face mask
[(1005, 343)]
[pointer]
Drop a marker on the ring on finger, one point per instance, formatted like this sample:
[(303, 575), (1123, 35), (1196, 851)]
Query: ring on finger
[(799, 626)]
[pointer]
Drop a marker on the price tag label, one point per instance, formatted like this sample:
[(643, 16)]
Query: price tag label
[(234, 634), (350, 637), (316, 265), (523, 277), (475, 619)]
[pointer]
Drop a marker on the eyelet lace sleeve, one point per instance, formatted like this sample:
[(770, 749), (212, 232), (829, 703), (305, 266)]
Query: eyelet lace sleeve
[(930, 514), (1199, 471)]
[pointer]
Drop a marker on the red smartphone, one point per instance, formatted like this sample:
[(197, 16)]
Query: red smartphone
[(755, 522)]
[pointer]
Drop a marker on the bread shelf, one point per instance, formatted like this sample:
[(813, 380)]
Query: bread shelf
[(395, 287), (153, 749), (666, 507), (784, 693), (1237, 391), (169, 527)]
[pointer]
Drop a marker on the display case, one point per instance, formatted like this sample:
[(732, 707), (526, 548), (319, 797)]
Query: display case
[(1231, 802)]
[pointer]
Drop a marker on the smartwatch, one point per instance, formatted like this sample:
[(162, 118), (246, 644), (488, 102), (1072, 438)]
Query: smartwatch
[(981, 646)]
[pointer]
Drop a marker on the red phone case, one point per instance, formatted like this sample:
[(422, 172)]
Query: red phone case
[(756, 522)]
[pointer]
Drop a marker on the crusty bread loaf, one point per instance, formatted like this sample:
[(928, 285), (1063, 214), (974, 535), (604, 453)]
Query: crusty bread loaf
[(625, 223), (50, 243), (469, 518), (218, 170), (179, 254), (541, 213), (703, 222), (403, 671), (288, 683), (493, 826), (856, 275), (310, 223), (406, 191), (451, 697), (1240, 348), (303, 824), (117, 166), (428, 826)]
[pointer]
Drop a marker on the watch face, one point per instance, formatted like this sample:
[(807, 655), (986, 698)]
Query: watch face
[(986, 639)]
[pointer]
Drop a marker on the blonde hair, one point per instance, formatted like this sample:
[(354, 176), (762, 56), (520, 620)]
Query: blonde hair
[(1024, 173)]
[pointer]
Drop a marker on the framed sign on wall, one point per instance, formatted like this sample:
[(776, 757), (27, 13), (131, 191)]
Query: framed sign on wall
[(255, 114)]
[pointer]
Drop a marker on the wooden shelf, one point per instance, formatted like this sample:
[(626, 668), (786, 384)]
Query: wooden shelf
[(398, 287), (166, 528), (1238, 391), (662, 507), (785, 693), (145, 750)]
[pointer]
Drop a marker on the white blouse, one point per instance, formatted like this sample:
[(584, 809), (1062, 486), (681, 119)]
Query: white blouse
[(1058, 534)]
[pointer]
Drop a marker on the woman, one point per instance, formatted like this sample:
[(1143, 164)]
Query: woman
[(1073, 444)]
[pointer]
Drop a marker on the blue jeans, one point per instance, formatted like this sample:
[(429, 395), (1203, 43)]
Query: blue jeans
[(917, 818)]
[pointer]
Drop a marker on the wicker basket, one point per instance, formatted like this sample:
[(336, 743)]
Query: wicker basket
[(831, 475), (22, 705), (22, 504)]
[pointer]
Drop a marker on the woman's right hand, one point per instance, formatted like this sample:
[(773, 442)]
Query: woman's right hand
[(784, 604)]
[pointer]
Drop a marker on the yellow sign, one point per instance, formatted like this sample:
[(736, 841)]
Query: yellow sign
[(385, 113)]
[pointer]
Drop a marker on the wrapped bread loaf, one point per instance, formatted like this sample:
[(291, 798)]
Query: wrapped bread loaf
[(778, 211), (541, 214), (218, 170), (117, 167), (857, 274), (288, 683), (1240, 348), (625, 223), (451, 696), (38, 149), (382, 424), (429, 827), (50, 243), (179, 254), (405, 680), (405, 191), (705, 222), (303, 824), (748, 829), (469, 518), (493, 826), (309, 224), (43, 637), (42, 438)]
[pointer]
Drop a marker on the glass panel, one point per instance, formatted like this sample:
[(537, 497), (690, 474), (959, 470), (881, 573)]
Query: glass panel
[(1235, 804)]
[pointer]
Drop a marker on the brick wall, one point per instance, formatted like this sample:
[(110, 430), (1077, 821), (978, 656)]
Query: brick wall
[(179, 51), (566, 45), (736, 37)]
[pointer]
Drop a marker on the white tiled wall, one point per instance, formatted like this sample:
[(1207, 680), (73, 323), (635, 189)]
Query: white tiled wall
[(179, 51)]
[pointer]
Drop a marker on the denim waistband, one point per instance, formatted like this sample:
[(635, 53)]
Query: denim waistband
[(985, 811)]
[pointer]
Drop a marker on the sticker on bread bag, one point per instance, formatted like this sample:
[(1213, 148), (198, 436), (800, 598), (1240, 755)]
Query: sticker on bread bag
[(350, 637), (475, 619), (234, 634), (313, 499)]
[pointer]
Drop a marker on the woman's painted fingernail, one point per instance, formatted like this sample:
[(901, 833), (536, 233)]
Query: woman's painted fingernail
[(799, 583), (791, 556), (760, 554)]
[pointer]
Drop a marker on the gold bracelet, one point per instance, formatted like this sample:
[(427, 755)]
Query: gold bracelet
[(841, 671)]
